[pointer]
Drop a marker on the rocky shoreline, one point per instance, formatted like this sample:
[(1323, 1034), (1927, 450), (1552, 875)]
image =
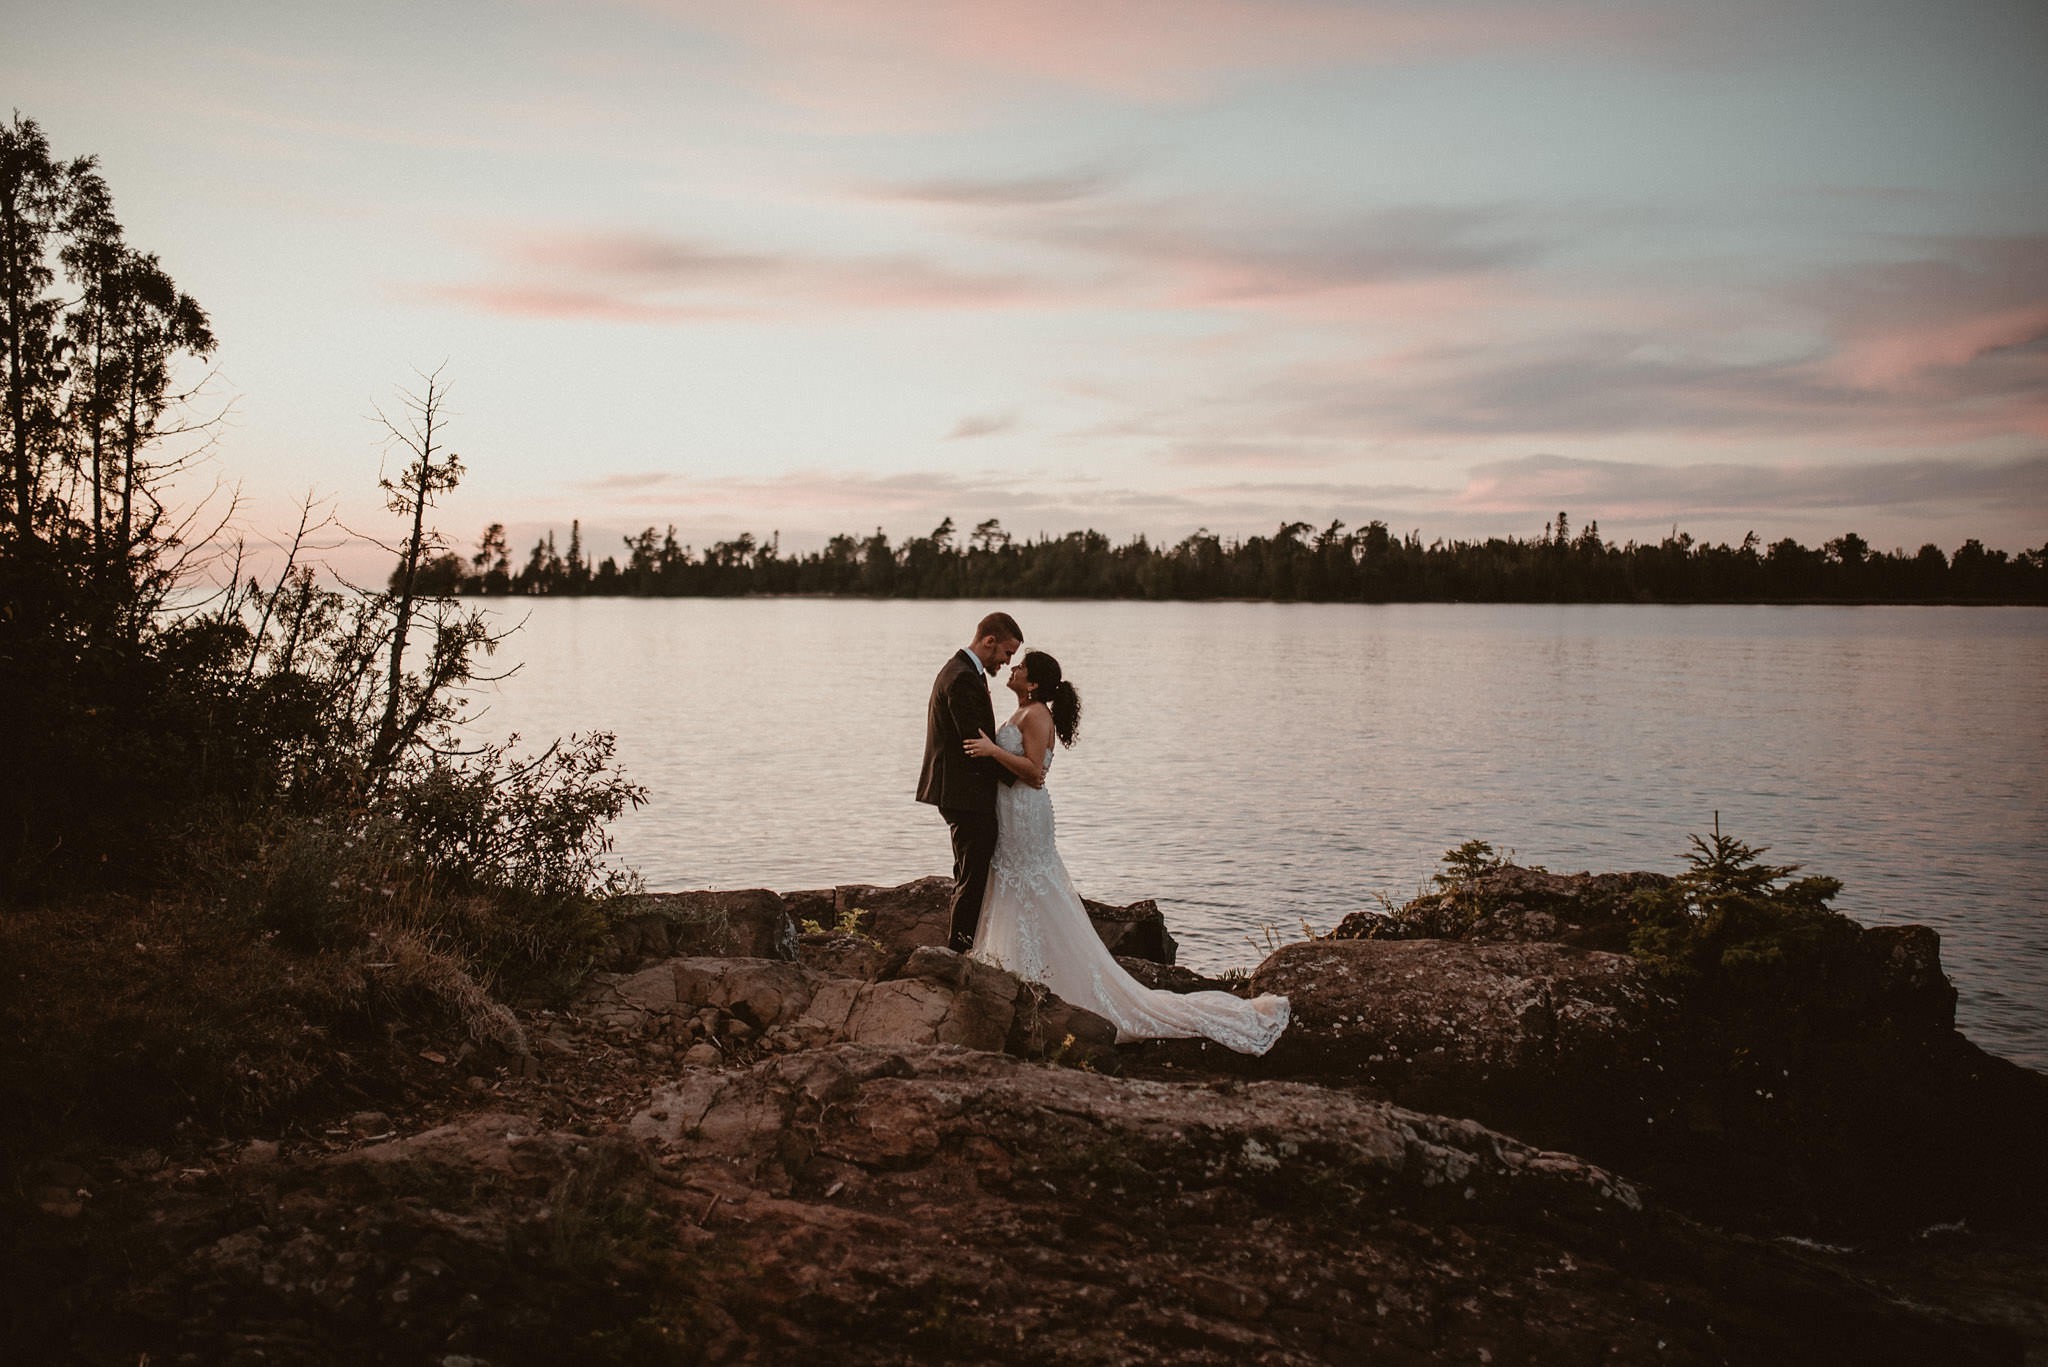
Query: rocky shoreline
[(779, 1127)]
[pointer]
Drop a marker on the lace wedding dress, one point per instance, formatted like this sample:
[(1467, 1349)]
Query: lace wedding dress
[(1033, 924)]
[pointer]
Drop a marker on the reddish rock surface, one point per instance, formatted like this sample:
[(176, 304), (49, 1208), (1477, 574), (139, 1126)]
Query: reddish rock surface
[(757, 923), (869, 1204), (834, 1155)]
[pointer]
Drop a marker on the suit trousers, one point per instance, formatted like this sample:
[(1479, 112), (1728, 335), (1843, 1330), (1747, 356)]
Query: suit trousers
[(974, 845)]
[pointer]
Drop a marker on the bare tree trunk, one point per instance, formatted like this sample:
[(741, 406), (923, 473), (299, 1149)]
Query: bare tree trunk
[(98, 418), (411, 495), (17, 377), (131, 438)]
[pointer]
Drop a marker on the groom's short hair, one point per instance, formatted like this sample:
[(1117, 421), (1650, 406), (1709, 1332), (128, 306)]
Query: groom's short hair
[(1000, 625)]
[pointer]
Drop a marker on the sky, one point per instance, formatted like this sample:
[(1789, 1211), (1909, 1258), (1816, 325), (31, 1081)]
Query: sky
[(799, 267)]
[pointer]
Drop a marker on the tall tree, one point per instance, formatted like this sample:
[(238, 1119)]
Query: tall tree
[(493, 560), (34, 193), (155, 323), (430, 470), (93, 257)]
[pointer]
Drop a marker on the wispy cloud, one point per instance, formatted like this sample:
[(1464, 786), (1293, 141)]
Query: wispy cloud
[(540, 302), (982, 425), (637, 277), (1954, 304), (1152, 51), (1640, 490), (1214, 260), (1014, 192), (1947, 348)]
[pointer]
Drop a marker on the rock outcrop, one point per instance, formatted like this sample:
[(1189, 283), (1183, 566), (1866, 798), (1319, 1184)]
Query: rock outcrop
[(757, 923), (868, 1204), (1838, 1094), (928, 996), (657, 925), (751, 1142), (1550, 1041), (1590, 910)]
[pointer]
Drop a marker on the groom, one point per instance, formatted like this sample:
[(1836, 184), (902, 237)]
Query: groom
[(964, 789)]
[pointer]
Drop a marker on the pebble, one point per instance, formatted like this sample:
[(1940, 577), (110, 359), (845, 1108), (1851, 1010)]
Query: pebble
[(370, 1122), (703, 1055)]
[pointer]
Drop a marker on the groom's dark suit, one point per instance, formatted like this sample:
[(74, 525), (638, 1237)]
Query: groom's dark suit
[(962, 788)]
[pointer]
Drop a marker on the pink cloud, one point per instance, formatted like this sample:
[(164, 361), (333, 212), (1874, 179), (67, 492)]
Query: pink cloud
[(636, 256), (1946, 351), (1146, 50), (627, 277), (1965, 303), (541, 302)]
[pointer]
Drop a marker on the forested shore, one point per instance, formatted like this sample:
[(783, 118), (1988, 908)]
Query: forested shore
[(1297, 563)]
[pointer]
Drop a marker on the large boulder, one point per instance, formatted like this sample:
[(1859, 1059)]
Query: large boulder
[(1137, 931), (900, 917), (1813, 1072), (751, 923), (849, 955), (1841, 1104), (918, 913), (1550, 1042), (1510, 902), (929, 996), (1173, 978)]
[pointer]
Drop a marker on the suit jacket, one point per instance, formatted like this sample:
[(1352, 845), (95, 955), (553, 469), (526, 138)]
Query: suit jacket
[(959, 710)]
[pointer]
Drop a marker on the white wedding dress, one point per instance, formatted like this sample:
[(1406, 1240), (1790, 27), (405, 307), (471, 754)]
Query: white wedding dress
[(1034, 925)]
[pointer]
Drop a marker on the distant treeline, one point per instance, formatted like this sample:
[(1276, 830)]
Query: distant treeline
[(1297, 562)]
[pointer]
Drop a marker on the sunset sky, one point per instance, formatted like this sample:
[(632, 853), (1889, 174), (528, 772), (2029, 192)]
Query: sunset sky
[(1144, 265)]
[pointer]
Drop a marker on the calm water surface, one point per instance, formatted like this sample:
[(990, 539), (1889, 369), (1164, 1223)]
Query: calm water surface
[(1256, 766)]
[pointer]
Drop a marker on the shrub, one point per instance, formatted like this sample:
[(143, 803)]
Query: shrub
[(1732, 920)]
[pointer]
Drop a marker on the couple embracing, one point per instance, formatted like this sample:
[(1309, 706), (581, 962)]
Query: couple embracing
[(1013, 903)]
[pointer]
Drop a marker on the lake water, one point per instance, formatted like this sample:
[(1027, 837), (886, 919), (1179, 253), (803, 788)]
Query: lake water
[(1255, 766)]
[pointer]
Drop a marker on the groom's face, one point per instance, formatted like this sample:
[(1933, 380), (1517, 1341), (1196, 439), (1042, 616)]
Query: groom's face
[(995, 651)]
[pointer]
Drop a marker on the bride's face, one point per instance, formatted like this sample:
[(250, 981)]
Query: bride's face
[(1019, 682)]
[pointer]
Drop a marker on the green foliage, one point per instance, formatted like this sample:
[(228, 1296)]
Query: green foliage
[(1731, 919), (538, 826), (1457, 905), (846, 922), (1468, 862)]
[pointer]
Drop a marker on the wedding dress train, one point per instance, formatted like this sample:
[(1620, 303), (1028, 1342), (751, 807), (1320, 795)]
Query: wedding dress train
[(1034, 925)]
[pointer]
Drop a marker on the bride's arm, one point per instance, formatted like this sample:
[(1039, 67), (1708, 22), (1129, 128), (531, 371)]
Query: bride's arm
[(1033, 773)]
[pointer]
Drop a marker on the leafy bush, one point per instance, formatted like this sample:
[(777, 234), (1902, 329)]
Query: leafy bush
[(1468, 862), (1732, 919)]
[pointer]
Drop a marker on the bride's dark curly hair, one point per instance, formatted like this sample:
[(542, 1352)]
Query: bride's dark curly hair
[(1052, 689)]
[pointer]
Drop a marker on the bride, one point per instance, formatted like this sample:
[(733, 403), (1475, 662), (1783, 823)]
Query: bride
[(1032, 920)]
